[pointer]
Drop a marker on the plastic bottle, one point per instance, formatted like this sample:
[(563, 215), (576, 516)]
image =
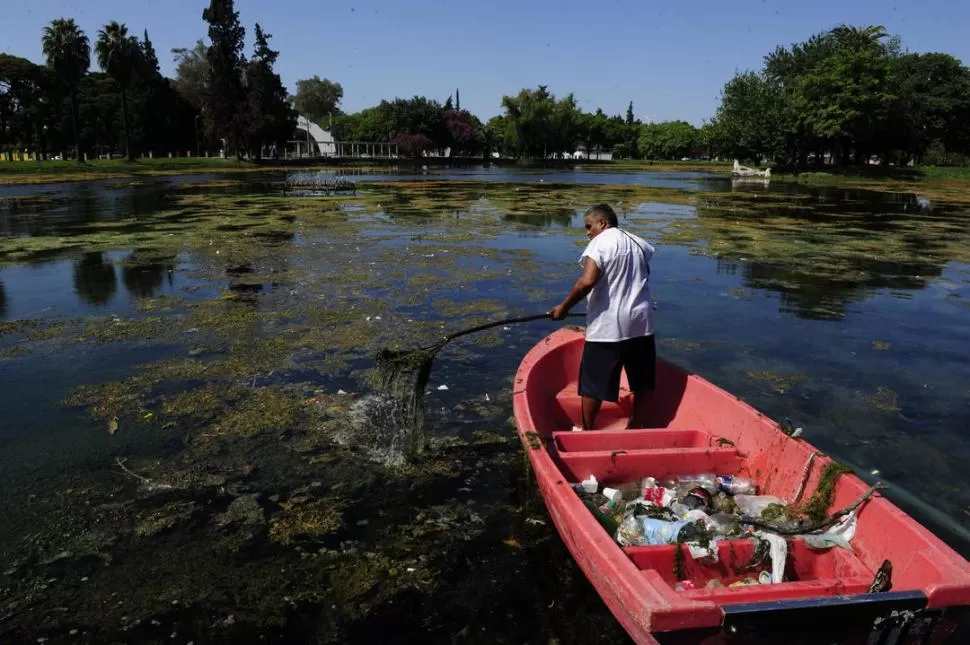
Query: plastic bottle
[(630, 532), (736, 485), (705, 480)]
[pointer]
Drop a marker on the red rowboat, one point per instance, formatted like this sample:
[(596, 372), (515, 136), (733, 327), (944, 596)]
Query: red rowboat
[(823, 590)]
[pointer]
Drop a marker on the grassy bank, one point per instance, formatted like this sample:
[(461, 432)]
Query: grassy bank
[(672, 166), (28, 172), (874, 173), (942, 183)]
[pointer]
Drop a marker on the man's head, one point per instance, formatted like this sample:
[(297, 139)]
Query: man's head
[(598, 219)]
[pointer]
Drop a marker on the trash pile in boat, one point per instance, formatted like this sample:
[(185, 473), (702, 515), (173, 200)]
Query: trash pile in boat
[(698, 511)]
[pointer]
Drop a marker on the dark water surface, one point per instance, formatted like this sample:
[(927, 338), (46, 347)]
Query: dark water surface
[(212, 337)]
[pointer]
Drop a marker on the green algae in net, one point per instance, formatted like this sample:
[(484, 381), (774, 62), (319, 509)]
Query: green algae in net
[(402, 376)]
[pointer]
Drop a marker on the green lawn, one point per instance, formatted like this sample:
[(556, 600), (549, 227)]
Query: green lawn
[(23, 172), (120, 165)]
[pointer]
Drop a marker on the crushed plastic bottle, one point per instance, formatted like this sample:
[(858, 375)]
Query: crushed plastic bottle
[(736, 485), (630, 532), (729, 484), (705, 480)]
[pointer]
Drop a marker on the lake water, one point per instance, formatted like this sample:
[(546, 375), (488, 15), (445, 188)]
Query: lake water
[(179, 359)]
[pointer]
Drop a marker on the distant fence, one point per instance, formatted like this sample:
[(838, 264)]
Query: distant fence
[(341, 149)]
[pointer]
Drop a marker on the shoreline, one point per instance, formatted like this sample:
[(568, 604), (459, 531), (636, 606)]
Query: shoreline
[(12, 173)]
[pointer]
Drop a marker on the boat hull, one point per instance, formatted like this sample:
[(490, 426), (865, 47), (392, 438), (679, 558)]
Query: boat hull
[(697, 427)]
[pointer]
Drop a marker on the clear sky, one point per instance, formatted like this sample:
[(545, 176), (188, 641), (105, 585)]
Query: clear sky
[(670, 58)]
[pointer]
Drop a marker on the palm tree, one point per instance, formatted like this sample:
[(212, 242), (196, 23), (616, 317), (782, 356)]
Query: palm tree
[(117, 53), (861, 38), (69, 56)]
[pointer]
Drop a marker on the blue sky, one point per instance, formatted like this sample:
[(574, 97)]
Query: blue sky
[(670, 58)]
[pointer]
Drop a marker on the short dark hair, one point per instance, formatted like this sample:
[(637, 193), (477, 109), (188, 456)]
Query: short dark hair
[(603, 211)]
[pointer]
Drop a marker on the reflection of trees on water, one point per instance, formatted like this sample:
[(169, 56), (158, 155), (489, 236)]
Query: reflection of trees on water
[(142, 274), (843, 252), (817, 298), (74, 209), (94, 279), (3, 300), (560, 217)]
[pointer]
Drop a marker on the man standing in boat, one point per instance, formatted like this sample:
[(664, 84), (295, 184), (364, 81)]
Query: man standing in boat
[(619, 317)]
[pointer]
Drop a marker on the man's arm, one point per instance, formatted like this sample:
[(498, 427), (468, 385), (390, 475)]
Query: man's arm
[(585, 283)]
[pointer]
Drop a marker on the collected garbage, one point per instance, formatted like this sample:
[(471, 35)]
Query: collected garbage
[(698, 511)]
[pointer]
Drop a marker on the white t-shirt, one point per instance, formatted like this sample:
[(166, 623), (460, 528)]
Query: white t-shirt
[(618, 307)]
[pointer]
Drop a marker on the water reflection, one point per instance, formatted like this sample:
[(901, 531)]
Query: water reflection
[(822, 257), (562, 217), (144, 273), (3, 300), (94, 279)]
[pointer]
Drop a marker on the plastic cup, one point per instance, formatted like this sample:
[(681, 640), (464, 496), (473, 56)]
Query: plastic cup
[(613, 495)]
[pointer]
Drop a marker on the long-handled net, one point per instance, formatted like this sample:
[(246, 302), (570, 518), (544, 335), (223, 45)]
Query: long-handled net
[(402, 376)]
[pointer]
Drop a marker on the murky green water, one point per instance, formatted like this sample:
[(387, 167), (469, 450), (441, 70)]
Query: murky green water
[(181, 362)]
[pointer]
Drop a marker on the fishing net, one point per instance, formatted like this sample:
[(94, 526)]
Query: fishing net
[(402, 376), (391, 421)]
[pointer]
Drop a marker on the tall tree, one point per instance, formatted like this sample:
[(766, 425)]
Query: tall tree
[(149, 111), (317, 98), (117, 55), (933, 103), (457, 100), (192, 73), (68, 54), (271, 118), (539, 125), (226, 96), (629, 114)]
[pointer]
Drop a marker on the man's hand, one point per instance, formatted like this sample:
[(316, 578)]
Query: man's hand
[(558, 312), (591, 275)]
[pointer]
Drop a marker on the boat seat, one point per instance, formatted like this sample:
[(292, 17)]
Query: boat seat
[(644, 439), (828, 572), (624, 465)]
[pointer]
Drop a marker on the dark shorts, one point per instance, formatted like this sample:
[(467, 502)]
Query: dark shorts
[(599, 371)]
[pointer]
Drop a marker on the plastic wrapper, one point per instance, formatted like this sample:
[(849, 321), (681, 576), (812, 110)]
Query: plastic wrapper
[(754, 505)]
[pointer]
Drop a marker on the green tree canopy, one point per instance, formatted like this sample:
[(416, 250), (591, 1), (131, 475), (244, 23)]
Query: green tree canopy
[(317, 98)]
